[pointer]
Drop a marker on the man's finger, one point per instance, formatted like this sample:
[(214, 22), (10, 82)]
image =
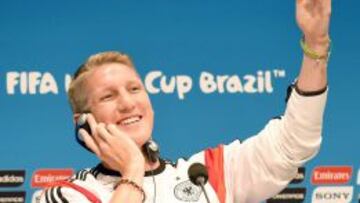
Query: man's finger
[(89, 141), (92, 122), (103, 133), (114, 130), (304, 2), (326, 6)]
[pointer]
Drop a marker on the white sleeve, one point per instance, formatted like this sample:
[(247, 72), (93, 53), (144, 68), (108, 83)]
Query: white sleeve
[(264, 164), (62, 194)]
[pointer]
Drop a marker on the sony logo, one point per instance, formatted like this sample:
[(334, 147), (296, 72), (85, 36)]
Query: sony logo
[(333, 195), (338, 194)]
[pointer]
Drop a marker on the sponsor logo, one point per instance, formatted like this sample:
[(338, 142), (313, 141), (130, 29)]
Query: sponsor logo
[(12, 178), (289, 195), (341, 194), (188, 192), (300, 176), (331, 175), (44, 177), (12, 197), (36, 196)]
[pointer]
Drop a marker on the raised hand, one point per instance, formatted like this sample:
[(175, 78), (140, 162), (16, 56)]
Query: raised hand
[(313, 18)]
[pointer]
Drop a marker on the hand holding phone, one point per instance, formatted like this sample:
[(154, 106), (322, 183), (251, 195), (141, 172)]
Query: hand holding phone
[(150, 148)]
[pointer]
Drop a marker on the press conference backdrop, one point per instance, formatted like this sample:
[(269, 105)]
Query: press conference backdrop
[(215, 71)]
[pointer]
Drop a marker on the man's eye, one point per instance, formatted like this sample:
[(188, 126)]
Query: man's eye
[(135, 89), (106, 97)]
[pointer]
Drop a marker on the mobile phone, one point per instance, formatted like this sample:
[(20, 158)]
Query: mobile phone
[(82, 123)]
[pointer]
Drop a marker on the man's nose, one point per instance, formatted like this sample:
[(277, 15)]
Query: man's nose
[(126, 103)]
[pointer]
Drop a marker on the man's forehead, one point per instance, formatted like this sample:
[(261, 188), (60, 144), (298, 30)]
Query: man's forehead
[(112, 69), (110, 77)]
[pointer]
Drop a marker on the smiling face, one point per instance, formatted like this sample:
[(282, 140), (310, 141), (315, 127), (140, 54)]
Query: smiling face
[(116, 95)]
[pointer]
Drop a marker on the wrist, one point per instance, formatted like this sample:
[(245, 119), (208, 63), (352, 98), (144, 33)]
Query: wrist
[(135, 173), (130, 183), (138, 179), (319, 45), (316, 49)]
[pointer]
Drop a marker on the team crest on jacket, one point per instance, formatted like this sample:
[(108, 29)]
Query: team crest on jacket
[(188, 192)]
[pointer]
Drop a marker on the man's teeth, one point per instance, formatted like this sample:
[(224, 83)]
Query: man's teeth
[(130, 120)]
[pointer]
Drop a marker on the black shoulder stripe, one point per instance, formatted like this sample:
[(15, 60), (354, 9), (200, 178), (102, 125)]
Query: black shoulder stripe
[(77, 175), (80, 175), (95, 171), (47, 198), (92, 171), (86, 173), (52, 195), (62, 198)]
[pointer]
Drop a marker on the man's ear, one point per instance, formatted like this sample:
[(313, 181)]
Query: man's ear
[(76, 117)]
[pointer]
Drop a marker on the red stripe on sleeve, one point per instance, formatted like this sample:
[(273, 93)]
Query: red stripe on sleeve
[(214, 161)]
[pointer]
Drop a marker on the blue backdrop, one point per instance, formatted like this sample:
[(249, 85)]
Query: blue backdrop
[(47, 40)]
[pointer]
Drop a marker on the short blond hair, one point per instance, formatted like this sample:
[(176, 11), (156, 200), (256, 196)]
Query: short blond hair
[(76, 94)]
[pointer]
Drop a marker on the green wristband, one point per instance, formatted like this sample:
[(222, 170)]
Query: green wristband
[(313, 54)]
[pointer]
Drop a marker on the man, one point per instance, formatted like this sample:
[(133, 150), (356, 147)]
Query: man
[(108, 90)]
